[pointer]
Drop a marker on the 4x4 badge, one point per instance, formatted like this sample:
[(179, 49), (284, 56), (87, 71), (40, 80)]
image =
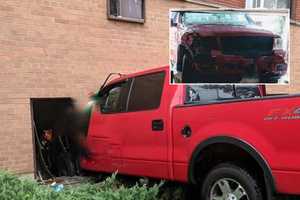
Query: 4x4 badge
[(292, 113)]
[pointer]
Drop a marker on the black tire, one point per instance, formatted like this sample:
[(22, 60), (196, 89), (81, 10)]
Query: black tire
[(187, 71), (232, 172)]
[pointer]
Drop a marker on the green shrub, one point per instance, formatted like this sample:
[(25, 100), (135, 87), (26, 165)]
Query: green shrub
[(12, 188)]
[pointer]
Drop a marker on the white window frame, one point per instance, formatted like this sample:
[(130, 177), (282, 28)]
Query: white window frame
[(249, 4)]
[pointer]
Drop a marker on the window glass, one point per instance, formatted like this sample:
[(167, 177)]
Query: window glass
[(114, 99), (209, 93), (232, 18), (271, 4), (146, 92), (127, 8), (247, 91), (283, 3), (213, 93), (256, 3), (114, 7)]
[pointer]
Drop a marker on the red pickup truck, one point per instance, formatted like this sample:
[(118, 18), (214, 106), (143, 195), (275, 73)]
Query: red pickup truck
[(233, 142)]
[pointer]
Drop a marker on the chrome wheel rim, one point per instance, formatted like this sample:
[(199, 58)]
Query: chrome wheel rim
[(228, 189)]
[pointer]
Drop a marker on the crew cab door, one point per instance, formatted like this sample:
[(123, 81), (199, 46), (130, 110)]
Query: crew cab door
[(106, 128), (144, 149)]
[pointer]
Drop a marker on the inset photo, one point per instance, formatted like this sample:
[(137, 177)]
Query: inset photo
[(229, 46)]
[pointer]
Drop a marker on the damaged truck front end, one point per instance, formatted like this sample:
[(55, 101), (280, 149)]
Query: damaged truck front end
[(229, 52)]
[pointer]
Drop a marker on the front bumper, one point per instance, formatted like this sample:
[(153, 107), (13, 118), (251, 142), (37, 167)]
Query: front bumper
[(239, 65)]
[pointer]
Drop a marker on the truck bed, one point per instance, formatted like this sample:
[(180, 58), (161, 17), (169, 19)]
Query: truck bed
[(271, 125)]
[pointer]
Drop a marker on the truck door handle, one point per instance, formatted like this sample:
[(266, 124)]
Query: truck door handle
[(157, 125)]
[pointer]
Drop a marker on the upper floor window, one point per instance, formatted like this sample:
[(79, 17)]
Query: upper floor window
[(128, 10), (269, 4)]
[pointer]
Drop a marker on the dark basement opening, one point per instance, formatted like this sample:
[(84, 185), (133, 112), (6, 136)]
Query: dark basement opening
[(52, 150)]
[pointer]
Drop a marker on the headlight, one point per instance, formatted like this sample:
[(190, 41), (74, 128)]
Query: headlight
[(277, 43)]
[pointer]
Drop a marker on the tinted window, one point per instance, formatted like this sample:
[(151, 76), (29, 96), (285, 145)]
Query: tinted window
[(247, 92), (146, 92), (213, 93), (114, 98)]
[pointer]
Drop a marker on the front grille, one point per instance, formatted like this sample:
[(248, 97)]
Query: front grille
[(247, 46), (232, 66)]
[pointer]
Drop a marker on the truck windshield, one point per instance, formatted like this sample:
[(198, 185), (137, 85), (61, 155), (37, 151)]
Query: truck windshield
[(230, 18), (214, 93)]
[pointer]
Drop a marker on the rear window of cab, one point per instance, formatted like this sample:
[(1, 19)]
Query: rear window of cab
[(217, 93)]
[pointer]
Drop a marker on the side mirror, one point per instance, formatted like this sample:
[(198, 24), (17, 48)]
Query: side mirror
[(173, 23)]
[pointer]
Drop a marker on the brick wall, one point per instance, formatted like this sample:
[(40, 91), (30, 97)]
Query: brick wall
[(231, 3), (65, 48), (296, 10)]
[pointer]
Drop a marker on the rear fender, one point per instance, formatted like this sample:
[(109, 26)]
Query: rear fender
[(268, 176), (241, 135)]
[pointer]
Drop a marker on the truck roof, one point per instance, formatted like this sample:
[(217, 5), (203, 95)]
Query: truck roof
[(139, 73)]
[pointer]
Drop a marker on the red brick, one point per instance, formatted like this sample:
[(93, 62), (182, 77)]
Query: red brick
[(232, 3)]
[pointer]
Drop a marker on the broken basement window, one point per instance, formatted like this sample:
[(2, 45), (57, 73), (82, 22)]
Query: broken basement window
[(58, 130)]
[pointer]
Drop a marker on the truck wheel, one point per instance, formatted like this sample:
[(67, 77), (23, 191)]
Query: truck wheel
[(230, 182)]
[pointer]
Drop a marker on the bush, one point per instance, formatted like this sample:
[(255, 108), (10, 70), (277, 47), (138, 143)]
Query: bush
[(13, 188)]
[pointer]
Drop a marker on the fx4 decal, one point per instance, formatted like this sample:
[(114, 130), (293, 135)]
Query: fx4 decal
[(292, 113)]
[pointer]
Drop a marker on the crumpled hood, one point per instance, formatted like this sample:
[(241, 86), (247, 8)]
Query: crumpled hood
[(229, 30)]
